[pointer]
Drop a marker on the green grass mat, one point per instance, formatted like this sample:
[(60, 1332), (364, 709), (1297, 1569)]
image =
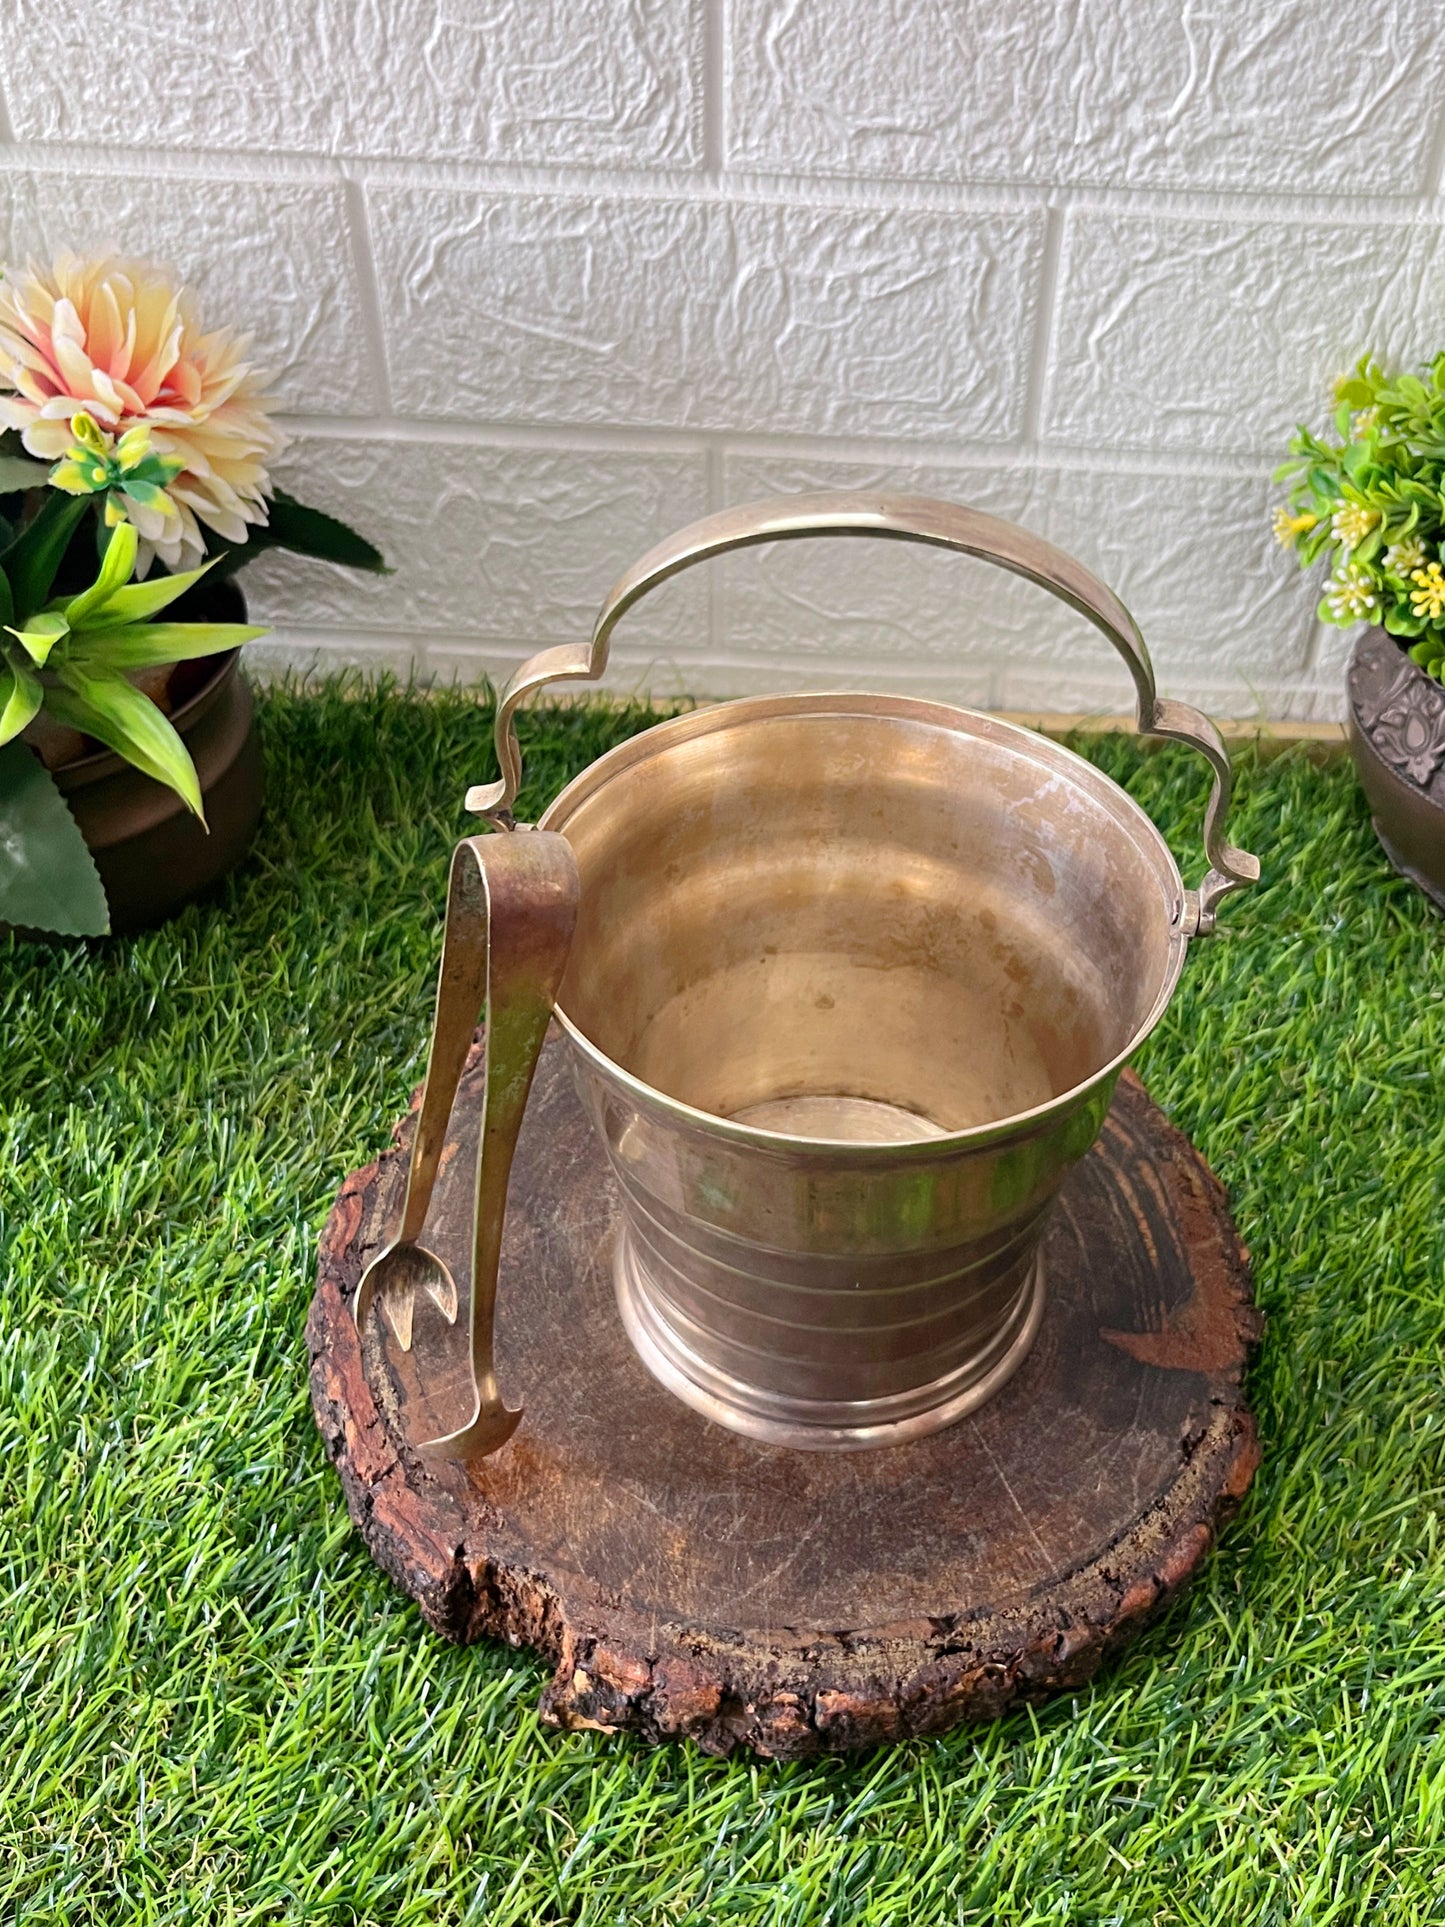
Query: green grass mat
[(216, 1710)]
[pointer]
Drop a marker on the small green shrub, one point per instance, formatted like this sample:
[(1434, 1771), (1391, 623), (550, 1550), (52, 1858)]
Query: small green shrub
[(1374, 502)]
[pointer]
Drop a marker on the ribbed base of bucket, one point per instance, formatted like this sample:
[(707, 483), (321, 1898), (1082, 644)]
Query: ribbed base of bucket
[(820, 1425)]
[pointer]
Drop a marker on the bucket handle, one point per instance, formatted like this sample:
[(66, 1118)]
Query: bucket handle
[(908, 518)]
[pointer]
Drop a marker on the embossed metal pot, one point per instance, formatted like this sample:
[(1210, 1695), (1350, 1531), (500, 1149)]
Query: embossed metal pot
[(851, 983), (1397, 738)]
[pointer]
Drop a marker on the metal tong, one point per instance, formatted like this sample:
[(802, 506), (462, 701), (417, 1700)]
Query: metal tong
[(511, 910)]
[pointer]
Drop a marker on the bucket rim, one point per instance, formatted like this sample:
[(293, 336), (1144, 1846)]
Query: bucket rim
[(709, 717)]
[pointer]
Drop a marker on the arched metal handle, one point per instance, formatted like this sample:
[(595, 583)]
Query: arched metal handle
[(907, 518)]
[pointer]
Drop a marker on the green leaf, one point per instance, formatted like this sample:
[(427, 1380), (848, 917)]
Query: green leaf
[(305, 531), (116, 568), (139, 600), (1400, 622), (17, 473), (48, 878), (102, 703), (309, 532), (20, 694), (1367, 550), (33, 557), (40, 636), (7, 607), (143, 645)]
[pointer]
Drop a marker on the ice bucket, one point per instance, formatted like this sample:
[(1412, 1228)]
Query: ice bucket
[(847, 982)]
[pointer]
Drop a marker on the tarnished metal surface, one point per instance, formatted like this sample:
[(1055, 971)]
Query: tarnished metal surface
[(783, 955), (852, 982), (907, 518), (511, 908)]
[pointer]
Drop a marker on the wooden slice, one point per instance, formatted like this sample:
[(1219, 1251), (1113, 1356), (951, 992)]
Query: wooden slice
[(686, 1581)]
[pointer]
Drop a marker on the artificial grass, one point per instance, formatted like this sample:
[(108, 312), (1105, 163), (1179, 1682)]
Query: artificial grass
[(217, 1710)]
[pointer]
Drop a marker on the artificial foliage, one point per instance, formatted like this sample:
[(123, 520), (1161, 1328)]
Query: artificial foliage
[(1373, 501), (73, 658), (131, 437), (48, 878)]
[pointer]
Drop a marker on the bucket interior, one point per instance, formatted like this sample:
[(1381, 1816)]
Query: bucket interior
[(861, 918)]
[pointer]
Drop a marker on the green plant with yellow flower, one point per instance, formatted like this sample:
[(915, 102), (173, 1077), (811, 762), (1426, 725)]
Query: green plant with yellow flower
[(1373, 502)]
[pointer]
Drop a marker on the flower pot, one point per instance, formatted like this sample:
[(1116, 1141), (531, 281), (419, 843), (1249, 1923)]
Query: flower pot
[(1397, 738), (152, 854)]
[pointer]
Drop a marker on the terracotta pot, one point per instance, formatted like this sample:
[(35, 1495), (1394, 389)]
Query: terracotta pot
[(1397, 738)]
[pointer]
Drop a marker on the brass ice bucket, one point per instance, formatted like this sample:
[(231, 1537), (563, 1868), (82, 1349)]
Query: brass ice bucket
[(851, 982)]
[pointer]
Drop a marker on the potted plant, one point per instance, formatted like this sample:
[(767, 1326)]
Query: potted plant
[(1373, 501), (134, 444)]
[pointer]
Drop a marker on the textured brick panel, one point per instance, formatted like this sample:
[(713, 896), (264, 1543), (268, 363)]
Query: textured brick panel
[(1220, 335), (541, 81), (283, 271), (1150, 93), (296, 652), (707, 315), (515, 545), (1230, 606), (1036, 692)]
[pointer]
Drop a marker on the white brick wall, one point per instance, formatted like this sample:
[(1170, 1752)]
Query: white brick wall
[(542, 279)]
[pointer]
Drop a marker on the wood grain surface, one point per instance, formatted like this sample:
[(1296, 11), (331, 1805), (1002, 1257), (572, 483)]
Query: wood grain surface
[(689, 1582)]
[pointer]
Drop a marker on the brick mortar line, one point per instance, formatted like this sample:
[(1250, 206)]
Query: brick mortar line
[(585, 437), (1203, 670), (1047, 290), (803, 190), (1051, 723), (713, 89), (1435, 160), (368, 289)]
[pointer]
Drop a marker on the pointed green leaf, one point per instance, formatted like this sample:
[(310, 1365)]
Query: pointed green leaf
[(48, 879), (7, 608), (17, 473), (308, 532), (139, 600), (40, 636), (116, 567), (20, 694), (102, 703), (33, 557), (143, 645)]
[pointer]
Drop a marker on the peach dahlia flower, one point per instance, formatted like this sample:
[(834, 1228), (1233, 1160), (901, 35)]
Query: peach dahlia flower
[(120, 341)]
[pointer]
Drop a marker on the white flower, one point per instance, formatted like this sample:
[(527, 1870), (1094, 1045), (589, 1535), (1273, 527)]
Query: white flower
[(1351, 523), (1352, 595), (1403, 558)]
